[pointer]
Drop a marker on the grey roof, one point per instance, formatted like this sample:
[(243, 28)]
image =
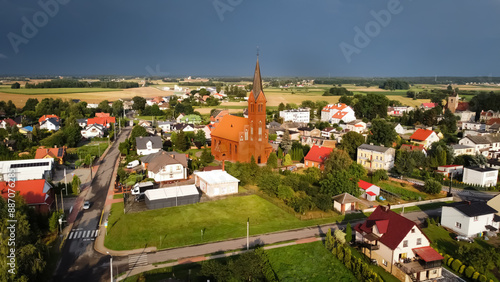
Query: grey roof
[(345, 198), (481, 169), (142, 141), (52, 120), (484, 139), (458, 147), (374, 148), (473, 208), (274, 124), (160, 159), (82, 120)]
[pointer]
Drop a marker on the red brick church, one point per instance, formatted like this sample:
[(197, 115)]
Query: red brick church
[(238, 138)]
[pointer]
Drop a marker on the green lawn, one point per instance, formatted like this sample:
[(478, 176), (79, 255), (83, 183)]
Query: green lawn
[(150, 118), (307, 262), (386, 276), (118, 196), (405, 194), (430, 206), (34, 91), (181, 226)]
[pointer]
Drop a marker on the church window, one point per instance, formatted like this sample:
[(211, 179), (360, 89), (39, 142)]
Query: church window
[(246, 134), (236, 149)]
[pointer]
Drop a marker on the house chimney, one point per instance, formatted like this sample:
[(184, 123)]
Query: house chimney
[(388, 207), (223, 165)]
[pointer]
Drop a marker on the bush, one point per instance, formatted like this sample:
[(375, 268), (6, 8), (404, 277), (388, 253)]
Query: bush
[(446, 257), (432, 186), (379, 174), (461, 269), (475, 276), (449, 262), (285, 192), (456, 265), (483, 278), (469, 271), (323, 202)]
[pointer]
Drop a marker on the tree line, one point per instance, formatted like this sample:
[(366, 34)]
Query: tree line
[(73, 83)]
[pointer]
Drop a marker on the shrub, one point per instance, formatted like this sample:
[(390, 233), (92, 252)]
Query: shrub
[(432, 186), (469, 271), (456, 265), (475, 276), (483, 278), (461, 269), (339, 236), (446, 257), (449, 262)]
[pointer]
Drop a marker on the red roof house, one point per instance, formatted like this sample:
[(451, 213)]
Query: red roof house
[(429, 105), (8, 121), (391, 238), (55, 153), (370, 191), (316, 157), (46, 117), (424, 137), (420, 147), (104, 121), (101, 114), (37, 193)]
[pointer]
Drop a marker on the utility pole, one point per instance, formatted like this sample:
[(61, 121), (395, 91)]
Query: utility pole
[(111, 266), (65, 182), (248, 233), (62, 202)]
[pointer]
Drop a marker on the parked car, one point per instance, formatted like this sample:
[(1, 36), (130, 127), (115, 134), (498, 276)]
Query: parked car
[(464, 238), (133, 164), (86, 205)]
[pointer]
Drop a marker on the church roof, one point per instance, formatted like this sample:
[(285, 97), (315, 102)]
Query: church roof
[(257, 82), (230, 127)]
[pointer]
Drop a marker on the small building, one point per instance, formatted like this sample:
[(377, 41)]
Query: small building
[(26, 130), (7, 123), (104, 121), (345, 203), (51, 124), (55, 153), (171, 197), (148, 145), (374, 157), (469, 218), (428, 106), (38, 194), (46, 117), (216, 183), (407, 147), (166, 126), (459, 149), (448, 170), (316, 157), (356, 126), (370, 191), (27, 169), (425, 137), (93, 130), (301, 115), (166, 166), (483, 176)]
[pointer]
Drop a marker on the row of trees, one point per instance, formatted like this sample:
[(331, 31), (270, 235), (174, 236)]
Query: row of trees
[(73, 83), (338, 91), (393, 84)]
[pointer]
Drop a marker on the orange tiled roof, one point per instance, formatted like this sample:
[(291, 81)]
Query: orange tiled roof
[(101, 114), (101, 120), (51, 152), (339, 107), (339, 115), (44, 117), (230, 127), (421, 134)]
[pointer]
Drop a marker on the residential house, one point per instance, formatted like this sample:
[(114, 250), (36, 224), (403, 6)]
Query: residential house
[(483, 176), (102, 115), (374, 157), (487, 115), (82, 122), (398, 110), (165, 126), (449, 170), (345, 203), (306, 131), (327, 132), (50, 124), (318, 141), (26, 129), (178, 119), (166, 166), (469, 218), (182, 127), (216, 183), (301, 115), (217, 115), (46, 117), (145, 123), (334, 113), (482, 144), (428, 106), (407, 147), (55, 153), (495, 203), (469, 125), (104, 121), (27, 169), (148, 145), (316, 157), (38, 193), (369, 191), (8, 122), (425, 137), (401, 130), (356, 126), (398, 245), (459, 149), (93, 130)]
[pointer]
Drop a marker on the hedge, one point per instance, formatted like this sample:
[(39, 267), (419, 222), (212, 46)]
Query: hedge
[(456, 265), (469, 271), (449, 262), (446, 257), (483, 278), (475, 276), (461, 270)]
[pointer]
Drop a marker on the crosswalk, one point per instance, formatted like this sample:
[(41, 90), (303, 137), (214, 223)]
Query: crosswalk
[(137, 260), (85, 235)]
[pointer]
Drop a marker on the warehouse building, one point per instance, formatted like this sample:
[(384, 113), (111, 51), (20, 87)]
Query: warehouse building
[(172, 196)]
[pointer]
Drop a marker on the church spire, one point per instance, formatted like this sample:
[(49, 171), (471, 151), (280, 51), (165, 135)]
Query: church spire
[(257, 80)]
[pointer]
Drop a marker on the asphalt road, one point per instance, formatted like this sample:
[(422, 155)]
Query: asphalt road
[(79, 261)]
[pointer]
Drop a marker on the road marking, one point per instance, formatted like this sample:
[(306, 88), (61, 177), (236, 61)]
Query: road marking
[(137, 260), (78, 234), (85, 234), (71, 235)]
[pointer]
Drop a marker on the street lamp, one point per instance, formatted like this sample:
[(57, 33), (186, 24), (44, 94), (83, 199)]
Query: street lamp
[(110, 265)]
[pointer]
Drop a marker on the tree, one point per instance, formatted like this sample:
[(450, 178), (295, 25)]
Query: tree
[(200, 139), (281, 107), (272, 161), (432, 186), (287, 160), (30, 104), (139, 103), (350, 143), (382, 133), (338, 182), (206, 157), (337, 160), (371, 106), (104, 106), (348, 232), (117, 108), (75, 184), (137, 131), (181, 143), (407, 161), (15, 85), (286, 142)]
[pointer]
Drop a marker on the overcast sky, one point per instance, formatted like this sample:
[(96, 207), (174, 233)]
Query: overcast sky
[(219, 38)]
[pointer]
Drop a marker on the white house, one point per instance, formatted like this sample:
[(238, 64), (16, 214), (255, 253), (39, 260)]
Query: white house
[(469, 218), (484, 176), (148, 145), (166, 126), (27, 169), (51, 124), (448, 170), (356, 126), (166, 166), (296, 115), (370, 191), (463, 150), (390, 238), (398, 110), (425, 137), (334, 113), (93, 130), (374, 157), (401, 130), (468, 125), (483, 143), (216, 182)]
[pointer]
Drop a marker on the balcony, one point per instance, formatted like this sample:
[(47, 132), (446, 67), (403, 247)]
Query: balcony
[(370, 246)]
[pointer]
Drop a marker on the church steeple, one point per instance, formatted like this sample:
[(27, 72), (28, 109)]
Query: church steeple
[(257, 81)]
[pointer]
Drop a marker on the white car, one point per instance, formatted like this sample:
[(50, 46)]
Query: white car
[(86, 205), (133, 164)]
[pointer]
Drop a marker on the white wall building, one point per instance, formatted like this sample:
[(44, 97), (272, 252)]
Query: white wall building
[(296, 115), (165, 166), (148, 145), (334, 113), (50, 124), (93, 130), (484, 176), (27, 169), (216, 183), (468, 218)]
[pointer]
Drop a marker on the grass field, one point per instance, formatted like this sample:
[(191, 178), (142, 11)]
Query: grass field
[(36, 91), (307, 262), (406, 192), (180, 226)]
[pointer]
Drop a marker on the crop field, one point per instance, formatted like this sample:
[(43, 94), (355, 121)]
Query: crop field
[(35, 91)]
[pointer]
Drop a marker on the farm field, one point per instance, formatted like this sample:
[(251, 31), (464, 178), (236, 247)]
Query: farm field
[(307, 262), (35, 91), (220, 220)]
